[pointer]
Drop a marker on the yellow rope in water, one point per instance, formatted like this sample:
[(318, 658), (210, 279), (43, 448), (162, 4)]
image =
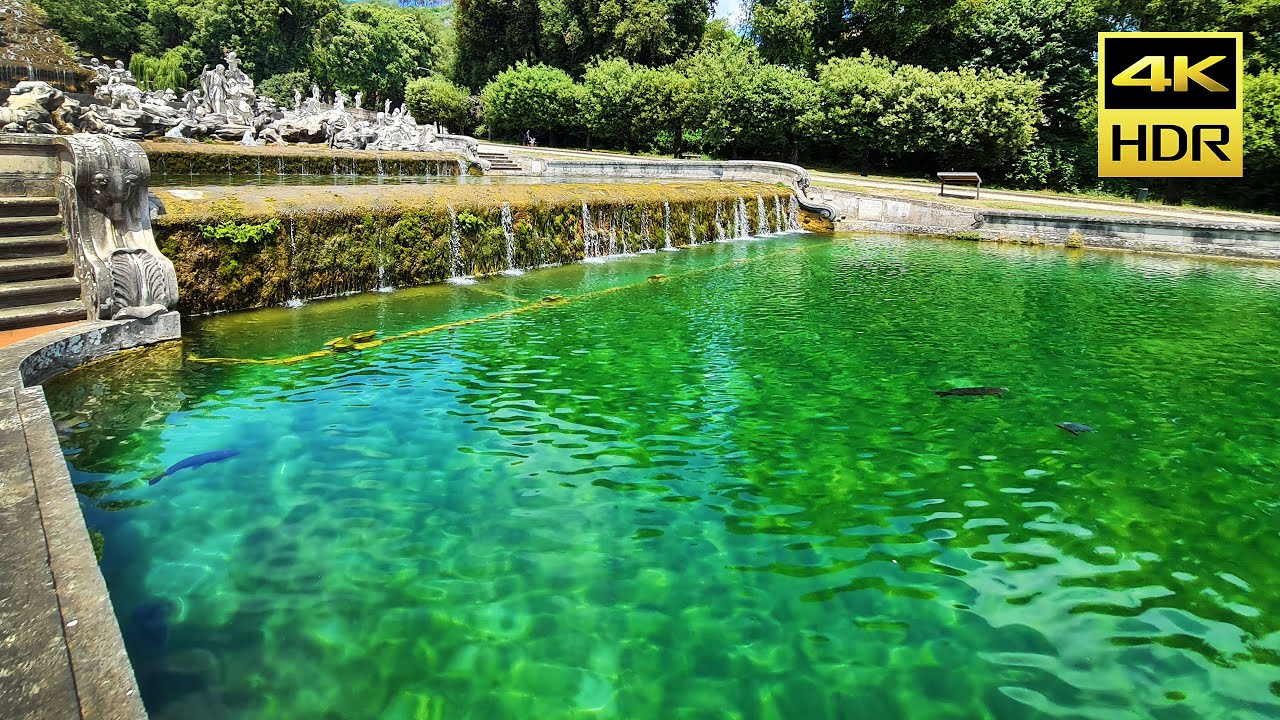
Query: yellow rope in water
[(550, 301)]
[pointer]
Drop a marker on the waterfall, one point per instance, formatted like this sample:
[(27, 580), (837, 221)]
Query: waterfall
[(719, 223), (741, 223), (645, 238), (509, 230), (793, 214), (280, 165), (294, 300), (666, 225), (382, 269), (693, 231), (613, 232), (228, 166), (589, 248), (762, 218), (778, 221), (258, 163), (624, 231), (380, 173), (455, 252)]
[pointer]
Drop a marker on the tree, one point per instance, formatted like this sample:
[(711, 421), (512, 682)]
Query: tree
[(280, 87), (609, 102), (784, 31), (1258, 19), (975, 119), (645, 32), (102, 27), (377, 49), (435, 99), (531, 97), (493, 35), (162, 73), (1052, 41), (852, 95), (745, 107), (270, 36), (663, 105)]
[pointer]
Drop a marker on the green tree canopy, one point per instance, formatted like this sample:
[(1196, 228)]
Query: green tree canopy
[(435, 99), (531, 97), (378, 49)]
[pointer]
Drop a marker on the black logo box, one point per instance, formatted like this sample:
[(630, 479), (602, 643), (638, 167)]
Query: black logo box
[(1122, 52)]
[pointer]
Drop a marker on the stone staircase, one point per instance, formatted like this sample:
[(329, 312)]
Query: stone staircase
[(500, 162), (38, 284)]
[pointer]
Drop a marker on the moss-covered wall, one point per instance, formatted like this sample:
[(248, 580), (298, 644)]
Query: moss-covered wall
[(241, 251), (170, 159)]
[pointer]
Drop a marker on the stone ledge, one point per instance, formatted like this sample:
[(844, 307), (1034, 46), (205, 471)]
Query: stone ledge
[(67, 648)]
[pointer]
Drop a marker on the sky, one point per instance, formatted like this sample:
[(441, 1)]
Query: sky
[(730, 10)]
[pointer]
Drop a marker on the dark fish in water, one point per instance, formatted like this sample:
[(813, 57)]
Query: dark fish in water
[(972, 391), (1075, 428), (195, 461), (152, 621)]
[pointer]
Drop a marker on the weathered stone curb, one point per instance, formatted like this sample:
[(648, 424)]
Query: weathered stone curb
[(862, 212), (60, 638)]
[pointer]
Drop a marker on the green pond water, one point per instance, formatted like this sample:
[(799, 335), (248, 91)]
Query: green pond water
[(729, 494)]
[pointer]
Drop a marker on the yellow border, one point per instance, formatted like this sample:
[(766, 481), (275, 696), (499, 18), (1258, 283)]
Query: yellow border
[(1102, 80)]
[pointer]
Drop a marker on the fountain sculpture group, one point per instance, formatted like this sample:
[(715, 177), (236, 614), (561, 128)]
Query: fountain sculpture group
[(225, 106)]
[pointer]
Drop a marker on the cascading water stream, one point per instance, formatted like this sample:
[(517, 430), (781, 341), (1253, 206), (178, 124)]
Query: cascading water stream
[(666, 225), (455, 252), (645, 238), (779, 221), (382, 268), (762, 218), (793, 214), (590, 244), (613, 232), (294, 301), (509, 231), (693, 230), (719, 220), (741, 224)]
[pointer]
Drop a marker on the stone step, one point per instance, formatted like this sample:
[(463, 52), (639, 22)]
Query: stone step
[(43, 268), (32, 246), (27, 206), (36, 292), (46, 314), (30, 225)]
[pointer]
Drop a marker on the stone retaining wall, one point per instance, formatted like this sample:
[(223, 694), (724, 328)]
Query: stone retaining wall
[(870, 213)]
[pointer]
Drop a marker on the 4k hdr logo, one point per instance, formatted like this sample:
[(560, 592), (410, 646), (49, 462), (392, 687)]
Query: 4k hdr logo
[(1169, 105)]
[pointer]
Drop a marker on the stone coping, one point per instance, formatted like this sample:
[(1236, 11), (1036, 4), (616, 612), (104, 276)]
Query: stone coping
[(67, 657), (158, 148), (1271, 229)]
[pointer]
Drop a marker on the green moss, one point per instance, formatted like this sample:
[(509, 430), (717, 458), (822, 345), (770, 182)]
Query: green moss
[(240, 233)]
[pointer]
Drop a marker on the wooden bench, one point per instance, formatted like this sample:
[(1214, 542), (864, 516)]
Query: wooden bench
[(960, 178)]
